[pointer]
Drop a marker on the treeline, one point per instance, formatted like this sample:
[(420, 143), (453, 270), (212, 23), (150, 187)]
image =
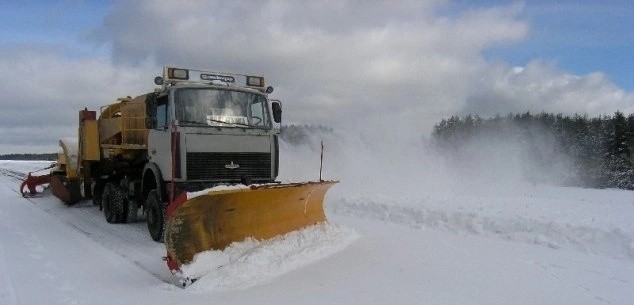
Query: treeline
[(30, 157), (599, 148)]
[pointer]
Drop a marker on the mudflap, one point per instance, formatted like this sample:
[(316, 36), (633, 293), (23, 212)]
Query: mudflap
[(64, 189), (215, 220)]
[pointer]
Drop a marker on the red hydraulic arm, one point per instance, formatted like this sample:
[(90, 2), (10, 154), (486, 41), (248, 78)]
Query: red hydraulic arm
[(31, 182)]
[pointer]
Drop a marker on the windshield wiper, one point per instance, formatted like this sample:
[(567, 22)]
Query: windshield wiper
[(194, 122), (231, 124)]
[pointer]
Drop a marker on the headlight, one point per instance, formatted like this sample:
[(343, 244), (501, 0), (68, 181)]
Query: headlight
[(178, 73), (255, 81)]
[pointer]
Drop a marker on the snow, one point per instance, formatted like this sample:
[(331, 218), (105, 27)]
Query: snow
[(226, 188), (251, 262), (555, 217), (219, 188), (526, 244)]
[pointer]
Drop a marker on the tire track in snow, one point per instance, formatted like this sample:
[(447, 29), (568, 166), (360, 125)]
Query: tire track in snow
[(129, 241), (34, 250), (7, 286)]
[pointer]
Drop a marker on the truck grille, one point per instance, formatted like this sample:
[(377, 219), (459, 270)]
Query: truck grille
[(214, 166)]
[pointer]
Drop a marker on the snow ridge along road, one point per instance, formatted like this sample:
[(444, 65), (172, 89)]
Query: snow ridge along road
[(599, 234)]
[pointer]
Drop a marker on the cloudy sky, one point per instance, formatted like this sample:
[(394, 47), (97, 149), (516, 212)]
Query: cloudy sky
[(344, 64)]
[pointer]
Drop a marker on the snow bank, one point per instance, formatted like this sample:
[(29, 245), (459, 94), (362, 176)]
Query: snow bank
[(592, 221), (251, 262)]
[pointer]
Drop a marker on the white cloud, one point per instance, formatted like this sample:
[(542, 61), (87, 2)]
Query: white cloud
[(44, 91), (397, 67), (541, 86), (327, 59)]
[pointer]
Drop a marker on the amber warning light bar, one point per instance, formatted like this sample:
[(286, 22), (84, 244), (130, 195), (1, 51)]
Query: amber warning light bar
[(172, 76)]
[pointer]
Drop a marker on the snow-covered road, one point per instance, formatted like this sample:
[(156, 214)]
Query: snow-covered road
[(538, 246)]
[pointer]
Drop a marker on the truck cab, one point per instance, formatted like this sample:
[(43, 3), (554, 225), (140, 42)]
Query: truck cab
[(207, 128)]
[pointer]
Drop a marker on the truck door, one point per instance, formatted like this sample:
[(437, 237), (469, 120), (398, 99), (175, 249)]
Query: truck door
[(159, 138)]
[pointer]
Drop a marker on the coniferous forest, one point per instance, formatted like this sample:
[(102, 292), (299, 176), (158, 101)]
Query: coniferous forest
[(599, 148), (30, 157)]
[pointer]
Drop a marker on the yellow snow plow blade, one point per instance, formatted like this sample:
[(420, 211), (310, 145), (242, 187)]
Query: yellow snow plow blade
[(215, 220)]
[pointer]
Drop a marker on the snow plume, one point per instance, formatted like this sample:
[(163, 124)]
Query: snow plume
[(392, 161), (508, 154), (493, 184), (365, 163)]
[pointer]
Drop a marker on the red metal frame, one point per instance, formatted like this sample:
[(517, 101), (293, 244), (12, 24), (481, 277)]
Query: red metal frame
[(171, 207), (31, 182)]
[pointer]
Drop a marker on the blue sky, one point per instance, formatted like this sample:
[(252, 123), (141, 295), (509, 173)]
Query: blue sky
[(580, 36), (57, 24), (330, 62)]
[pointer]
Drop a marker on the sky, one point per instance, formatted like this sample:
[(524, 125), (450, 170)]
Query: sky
[(379, 68)]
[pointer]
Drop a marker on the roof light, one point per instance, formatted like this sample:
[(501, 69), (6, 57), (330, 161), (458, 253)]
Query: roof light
[(178, 73), (255, 81), (173, 76)]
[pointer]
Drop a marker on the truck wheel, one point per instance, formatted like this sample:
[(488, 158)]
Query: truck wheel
[(114, 203), (85, 189), (133, 210), (97, 190), (155, 215)]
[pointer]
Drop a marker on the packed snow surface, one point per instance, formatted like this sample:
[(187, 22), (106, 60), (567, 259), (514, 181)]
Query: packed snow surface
[(522, 244), (251, 262)]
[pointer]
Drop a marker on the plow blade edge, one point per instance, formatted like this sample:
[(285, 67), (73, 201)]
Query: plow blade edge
[(215, 220)]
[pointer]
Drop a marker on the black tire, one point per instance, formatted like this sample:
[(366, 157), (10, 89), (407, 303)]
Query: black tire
[(85, 188), (133, 210), (155, 216), (114, 203), (97, 191)]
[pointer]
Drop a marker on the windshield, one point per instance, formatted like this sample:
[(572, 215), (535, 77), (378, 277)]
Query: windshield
[(221, 107)]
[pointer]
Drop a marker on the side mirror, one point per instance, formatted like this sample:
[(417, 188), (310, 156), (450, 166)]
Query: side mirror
[(277, 111)]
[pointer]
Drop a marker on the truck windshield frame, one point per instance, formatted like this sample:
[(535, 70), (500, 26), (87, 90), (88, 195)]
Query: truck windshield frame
[(219, 107)]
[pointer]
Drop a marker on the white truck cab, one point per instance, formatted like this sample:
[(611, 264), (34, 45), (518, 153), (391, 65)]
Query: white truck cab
[(208, 128)]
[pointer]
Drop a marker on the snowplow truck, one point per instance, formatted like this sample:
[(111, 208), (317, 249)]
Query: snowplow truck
[(166, 153)]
